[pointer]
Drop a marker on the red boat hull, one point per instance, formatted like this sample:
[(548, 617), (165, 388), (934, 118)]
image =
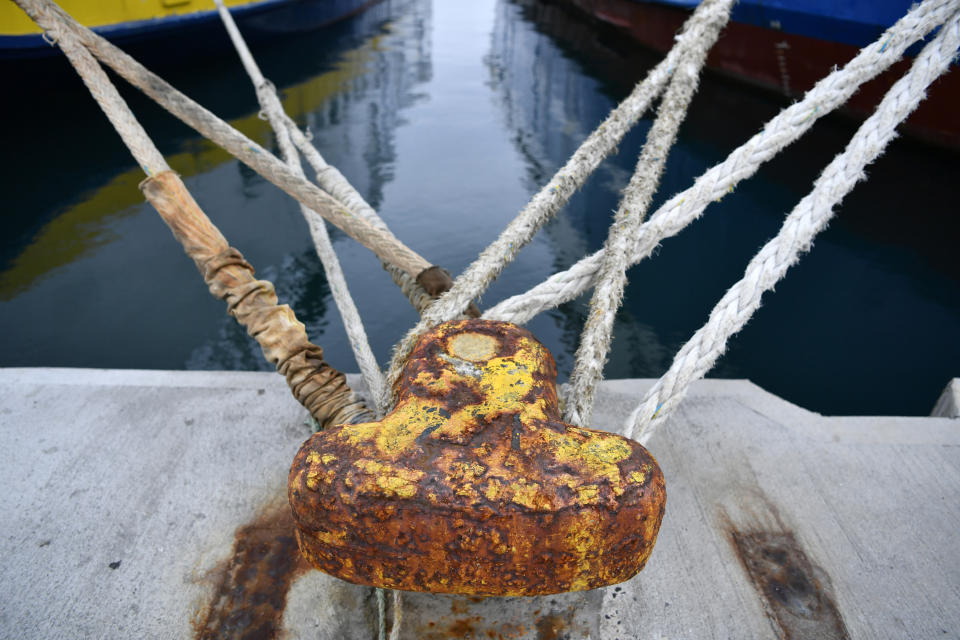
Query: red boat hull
[(786, 63)]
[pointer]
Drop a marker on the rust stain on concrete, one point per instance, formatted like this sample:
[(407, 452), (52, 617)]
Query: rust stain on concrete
[(251, 586), (796, 593)]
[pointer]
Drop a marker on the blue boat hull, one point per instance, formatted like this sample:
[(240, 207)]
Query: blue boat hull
[(176, 36), (788, 45), (853, 22)]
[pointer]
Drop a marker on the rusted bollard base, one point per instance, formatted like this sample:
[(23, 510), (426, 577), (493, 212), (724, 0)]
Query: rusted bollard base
[(443, 617), (472, 484), (325, 608)]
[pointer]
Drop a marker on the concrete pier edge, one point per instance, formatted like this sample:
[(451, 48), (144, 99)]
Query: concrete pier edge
[(134, 497)]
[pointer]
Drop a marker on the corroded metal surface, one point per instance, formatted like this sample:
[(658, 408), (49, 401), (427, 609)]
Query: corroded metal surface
[(472, 484), (436, 281)]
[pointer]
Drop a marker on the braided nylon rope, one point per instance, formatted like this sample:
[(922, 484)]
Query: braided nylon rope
[(810, 216), (270, 103), (397, 615), (782, 130), (612, 277), (548, 201), (333, 182)]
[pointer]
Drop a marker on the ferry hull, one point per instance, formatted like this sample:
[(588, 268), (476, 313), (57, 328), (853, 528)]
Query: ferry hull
[(788, 63), (179, 33)]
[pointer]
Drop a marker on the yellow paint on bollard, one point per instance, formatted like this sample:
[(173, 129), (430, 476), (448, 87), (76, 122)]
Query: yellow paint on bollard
[(472, 484)]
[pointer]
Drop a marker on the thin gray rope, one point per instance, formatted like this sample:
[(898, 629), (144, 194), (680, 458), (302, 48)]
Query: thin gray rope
[(273, 109), (333, 182), (548, 201), (612, 277), (809, 217), (782, 130), (381, 614)]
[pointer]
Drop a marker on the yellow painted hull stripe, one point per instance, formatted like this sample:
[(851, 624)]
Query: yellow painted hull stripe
[(102, 13)]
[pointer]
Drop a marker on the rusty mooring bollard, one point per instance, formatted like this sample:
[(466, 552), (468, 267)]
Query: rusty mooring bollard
[(472, 485)]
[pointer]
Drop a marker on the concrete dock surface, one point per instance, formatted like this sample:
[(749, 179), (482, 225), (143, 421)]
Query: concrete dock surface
[(152, 504)]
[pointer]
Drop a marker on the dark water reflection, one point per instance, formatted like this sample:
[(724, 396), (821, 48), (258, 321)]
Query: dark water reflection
[(447, 116)]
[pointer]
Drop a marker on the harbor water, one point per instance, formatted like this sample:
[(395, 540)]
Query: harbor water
[(447, 117)]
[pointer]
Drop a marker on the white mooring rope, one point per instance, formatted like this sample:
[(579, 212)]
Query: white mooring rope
[(810, 216), (381, 614), (612, 277), (548, 201), (397, 616), (782, 130)]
